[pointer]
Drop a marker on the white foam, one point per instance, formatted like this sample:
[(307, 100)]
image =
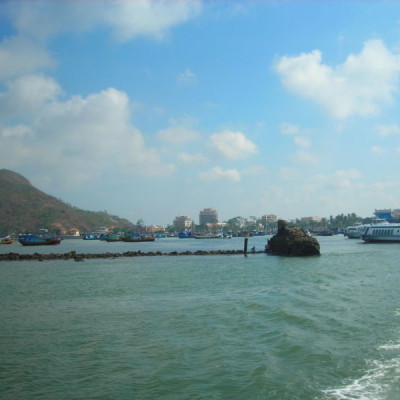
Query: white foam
[(372, 386)]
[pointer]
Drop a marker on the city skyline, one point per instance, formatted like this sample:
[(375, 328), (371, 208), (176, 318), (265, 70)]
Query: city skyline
[(154, 109)]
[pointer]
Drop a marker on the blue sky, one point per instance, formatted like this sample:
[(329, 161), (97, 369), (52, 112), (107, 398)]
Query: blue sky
[(154, 109)]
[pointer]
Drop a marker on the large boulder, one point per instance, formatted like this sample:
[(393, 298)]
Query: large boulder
[(292, 241)]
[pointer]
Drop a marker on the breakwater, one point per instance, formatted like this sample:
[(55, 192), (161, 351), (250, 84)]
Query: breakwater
[(72, 255)]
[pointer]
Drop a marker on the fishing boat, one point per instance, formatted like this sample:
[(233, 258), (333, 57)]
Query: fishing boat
[(6, 240), (185, 235), (37, 240), (138, 239), (209, 236), (113, 238), (389, 232)]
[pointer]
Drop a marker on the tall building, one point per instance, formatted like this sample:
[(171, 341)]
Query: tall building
[(182, 223), (208, 216)]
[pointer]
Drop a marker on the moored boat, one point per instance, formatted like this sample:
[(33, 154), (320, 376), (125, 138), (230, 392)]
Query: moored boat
[(382, 233), (138, 239), (36, 240), (208, 236), (6, 240)]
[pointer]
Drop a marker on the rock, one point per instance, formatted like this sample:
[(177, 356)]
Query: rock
[(292, 241)]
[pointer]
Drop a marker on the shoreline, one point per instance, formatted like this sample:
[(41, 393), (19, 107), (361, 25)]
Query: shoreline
[(72, 255)]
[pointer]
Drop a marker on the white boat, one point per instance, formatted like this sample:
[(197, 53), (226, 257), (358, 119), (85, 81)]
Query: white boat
[(382, 233), (356, 231)]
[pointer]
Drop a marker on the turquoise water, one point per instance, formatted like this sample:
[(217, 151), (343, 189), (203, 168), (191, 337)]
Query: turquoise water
[(202, 327)]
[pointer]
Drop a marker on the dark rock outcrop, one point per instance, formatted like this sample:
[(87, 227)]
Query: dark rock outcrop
[(292, 241)]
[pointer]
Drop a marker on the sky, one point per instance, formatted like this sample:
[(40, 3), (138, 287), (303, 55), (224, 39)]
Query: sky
[(155, 109)]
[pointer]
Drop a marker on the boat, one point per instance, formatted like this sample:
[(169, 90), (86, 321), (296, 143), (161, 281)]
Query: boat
[(37, 240), (356, 231), (6, 240), (113, 238), (138, 239), (389, 233), (185, 235), (208, 236)]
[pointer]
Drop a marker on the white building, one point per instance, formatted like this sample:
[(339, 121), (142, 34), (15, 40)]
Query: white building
[(182, 223)]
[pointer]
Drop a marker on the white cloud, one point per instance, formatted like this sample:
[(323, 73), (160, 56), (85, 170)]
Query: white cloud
[(178, 134), (387, 130), (21, 55), (305, 157), (150, 18), (26, 95), (232, 145), (218, 174), (15, 131), (187, 78), (359, 86), (128, 19), (302, 141), (377, 149), (195, 158), (81, 138), (289, 129)]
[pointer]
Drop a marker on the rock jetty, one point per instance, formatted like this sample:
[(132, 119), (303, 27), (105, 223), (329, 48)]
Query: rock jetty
[(72, 255), (292, 241)]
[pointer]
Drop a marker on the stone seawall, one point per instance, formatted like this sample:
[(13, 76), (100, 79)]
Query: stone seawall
[(72, 255)]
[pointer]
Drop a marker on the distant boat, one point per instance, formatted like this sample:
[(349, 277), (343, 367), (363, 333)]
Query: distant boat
[(113, 238), (356, 231), (138, 239), (36, 240), (6, 240), (185, 235), (209, 236)]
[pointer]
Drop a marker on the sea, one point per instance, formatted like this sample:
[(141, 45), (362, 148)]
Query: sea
[(209, 327)]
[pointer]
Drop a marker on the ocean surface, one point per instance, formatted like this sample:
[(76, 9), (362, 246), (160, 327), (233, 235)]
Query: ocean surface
[(202, 327)]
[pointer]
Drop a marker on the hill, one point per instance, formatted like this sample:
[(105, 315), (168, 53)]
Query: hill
[(24, 208)]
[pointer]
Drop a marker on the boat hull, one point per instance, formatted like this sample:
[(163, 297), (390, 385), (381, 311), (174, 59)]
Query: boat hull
[(387, 233), (6, 241), (45, 242), (135, 240)]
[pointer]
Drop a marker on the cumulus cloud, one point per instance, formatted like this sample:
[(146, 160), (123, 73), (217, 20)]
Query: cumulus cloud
[(387, 130), (128, 19), (21, 55), (81, 138), (232, 145), (360, 86), (26, 95), (178, 133), (220, 174)]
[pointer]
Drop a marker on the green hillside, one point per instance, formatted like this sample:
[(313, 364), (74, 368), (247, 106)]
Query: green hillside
[(24, 208)]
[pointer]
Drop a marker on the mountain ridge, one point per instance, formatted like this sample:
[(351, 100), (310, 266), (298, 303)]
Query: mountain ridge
[(24, 208)]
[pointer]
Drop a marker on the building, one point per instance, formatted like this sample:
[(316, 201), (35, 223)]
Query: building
[(269, 218), (388, 214), (208, 216), (311, 219), (182, 223)]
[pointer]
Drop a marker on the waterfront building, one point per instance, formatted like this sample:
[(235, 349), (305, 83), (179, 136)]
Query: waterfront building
[(388, 214), (182, 223), (208, 216), (269, 218), (311, 219)]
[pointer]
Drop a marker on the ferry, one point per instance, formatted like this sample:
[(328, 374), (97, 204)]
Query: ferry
[(382, 233)]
